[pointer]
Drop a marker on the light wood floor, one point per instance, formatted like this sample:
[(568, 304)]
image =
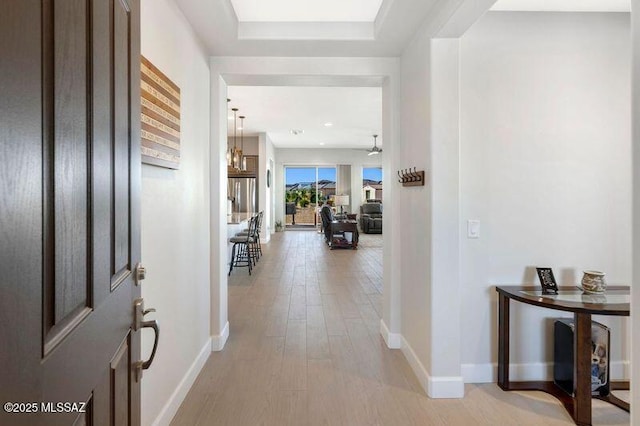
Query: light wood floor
[(304, 349)]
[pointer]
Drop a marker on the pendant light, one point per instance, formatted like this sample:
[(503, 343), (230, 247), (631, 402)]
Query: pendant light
[(243, 159), (229, 154), (235, 156)]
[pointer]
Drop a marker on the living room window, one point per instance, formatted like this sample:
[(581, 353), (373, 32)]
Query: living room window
[(305, 188), (371, 184)]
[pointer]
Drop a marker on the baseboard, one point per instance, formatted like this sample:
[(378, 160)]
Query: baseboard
[(393, 340), (179, 394), (480, 373), (435, 387), (446, 387), (488, 372), (219, 340)]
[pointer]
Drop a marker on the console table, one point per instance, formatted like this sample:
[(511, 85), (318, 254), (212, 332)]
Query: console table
[(614, 302)]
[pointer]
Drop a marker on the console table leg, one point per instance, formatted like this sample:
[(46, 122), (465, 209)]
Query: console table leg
[(503, 342), (582, 369)]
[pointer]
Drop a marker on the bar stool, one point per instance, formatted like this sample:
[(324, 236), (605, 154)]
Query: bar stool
[(256, 246), (242, 254)]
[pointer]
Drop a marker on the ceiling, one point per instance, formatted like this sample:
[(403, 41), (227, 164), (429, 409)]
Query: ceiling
[(331, 28), (564, 5), (354, 112), (327, 28), (306, 10)]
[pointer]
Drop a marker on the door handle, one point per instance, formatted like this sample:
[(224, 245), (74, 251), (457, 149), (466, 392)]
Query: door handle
[(140, 312)]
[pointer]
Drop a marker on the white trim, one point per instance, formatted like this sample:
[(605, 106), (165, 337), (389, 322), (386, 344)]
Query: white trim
[(418, 369), (179, 394), (446, 387), (219, 340), (488, 372), (435, 387), (393, 340), (480, 373)]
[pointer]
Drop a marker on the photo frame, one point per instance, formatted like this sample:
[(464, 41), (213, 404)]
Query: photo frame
[(547, 281)]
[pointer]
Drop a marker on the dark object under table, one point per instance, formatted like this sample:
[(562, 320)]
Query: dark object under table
[(614, 302), (340, 227)]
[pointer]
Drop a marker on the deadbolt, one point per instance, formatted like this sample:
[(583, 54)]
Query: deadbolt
[(141, 273)]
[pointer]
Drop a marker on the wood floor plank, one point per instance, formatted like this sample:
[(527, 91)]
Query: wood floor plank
[(313, 295), (317, 338), (333, 316), (286, 408), (294, 363)]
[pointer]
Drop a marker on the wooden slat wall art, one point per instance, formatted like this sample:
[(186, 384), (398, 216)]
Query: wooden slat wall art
[(160, 132)]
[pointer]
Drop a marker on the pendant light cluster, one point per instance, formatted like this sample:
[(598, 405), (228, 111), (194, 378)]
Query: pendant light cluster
[(235, 156)]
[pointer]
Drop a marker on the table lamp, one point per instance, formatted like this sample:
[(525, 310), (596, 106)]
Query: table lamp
[(341, 200)]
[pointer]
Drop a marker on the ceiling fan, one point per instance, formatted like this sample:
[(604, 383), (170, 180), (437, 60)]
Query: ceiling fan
[(375, 150)]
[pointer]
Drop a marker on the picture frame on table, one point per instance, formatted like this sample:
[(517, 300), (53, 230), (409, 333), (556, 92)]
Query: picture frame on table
[(547, 281)]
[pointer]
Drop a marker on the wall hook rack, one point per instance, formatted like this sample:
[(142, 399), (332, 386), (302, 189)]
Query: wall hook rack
[(408, 177)]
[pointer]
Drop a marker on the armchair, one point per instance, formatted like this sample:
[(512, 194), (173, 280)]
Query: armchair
[(326, 214), (371, 218)]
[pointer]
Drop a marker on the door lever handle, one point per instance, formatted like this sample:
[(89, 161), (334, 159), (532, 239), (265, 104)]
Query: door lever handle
[(144, 365), (139, 313)]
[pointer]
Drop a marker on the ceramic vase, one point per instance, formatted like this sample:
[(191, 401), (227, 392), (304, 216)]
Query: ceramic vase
[(593, 282)]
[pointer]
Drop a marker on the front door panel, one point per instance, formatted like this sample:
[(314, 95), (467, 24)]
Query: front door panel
[(69, 211), (66, 146)]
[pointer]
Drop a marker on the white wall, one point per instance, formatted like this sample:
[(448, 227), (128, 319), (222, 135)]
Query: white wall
[(267, 156), (430, 323), (545, 166), (445, 195), (635, 292), (175, 217), (415, 151), (357, 159)]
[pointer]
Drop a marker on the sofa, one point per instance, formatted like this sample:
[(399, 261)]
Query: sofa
[(371, 218)]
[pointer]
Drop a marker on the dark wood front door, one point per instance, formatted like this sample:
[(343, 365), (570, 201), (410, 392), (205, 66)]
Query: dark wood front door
[(69, 211)]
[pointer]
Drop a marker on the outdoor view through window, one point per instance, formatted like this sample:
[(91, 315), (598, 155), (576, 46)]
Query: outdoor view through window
[(371, 184), (305, 188)]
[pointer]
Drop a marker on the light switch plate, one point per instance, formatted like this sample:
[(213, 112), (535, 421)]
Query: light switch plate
[(473, 228)]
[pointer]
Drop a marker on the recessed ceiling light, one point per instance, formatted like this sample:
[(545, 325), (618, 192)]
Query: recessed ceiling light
[(296, 131), (329, 124)]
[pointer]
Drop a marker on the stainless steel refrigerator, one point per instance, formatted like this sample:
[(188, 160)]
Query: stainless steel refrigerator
[(243, 194)]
